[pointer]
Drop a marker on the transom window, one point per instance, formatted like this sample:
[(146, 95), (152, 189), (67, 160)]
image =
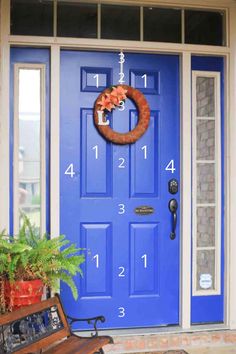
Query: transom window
[(75, 19)]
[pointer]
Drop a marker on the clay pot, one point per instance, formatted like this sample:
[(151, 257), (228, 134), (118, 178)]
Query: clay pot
[(23, 293)]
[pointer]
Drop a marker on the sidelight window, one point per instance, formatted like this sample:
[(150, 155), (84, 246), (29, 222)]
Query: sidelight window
[(29, 149), (206, 183)]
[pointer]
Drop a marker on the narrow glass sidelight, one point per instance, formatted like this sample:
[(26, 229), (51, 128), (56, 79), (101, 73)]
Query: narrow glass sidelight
[(29, 144), (206, 184)]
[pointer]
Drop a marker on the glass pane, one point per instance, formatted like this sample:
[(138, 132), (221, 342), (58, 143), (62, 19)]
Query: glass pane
[(120, 22), (162, 25), (29, 144), (204, 27), (76, 20), (206, 183), (32, 17), (205, 270), (205, 139), (205, 96), (205, 226)]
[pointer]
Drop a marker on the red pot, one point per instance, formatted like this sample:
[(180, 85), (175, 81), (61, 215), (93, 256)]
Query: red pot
[(23, 293)]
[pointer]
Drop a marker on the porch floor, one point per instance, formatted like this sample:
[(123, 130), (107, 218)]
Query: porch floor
[(216, 350), (205, 342)]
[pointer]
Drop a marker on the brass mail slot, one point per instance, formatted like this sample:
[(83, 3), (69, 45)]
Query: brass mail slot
[(144, 210)]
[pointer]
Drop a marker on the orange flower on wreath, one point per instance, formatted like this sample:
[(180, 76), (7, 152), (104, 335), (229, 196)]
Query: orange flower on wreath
[(106, 104), (119, 92), (112, 99)]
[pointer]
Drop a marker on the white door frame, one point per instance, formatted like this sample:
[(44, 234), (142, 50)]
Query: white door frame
[(185, 52)]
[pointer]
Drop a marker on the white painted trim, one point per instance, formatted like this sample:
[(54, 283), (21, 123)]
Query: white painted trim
[(226, 210), (108, 44), (141, 24), (207, 4), (217, 164), (231, 160), (15, 186), (99, 21), (186, 193), (182, 26), (4, 117), (55, 143), (42, 145), (42, 69), (55, 18), (205, 118)]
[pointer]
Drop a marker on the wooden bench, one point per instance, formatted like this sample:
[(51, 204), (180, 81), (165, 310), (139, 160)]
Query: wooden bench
[(44, 328)]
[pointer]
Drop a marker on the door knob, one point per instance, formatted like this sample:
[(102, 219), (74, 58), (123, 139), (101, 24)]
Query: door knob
[(173, 206)]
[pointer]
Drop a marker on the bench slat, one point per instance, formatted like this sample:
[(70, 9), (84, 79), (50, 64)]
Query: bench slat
[(78, 345)]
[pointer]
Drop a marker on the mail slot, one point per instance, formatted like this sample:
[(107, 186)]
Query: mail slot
[(144, 210)]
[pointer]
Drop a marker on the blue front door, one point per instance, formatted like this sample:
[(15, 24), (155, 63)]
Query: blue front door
[(131, 275)]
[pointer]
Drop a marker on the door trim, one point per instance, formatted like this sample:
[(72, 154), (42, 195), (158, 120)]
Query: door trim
[(185, 51)]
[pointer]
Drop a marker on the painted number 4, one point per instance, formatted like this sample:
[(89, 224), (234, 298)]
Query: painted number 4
[(171, 166), (70, 170)]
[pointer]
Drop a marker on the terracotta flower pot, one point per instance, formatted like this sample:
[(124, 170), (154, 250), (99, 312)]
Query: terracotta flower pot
[(23, 293)]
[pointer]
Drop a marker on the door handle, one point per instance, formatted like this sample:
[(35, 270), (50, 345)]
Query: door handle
[(173, 206)]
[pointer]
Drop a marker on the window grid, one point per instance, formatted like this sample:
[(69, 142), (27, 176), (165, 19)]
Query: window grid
[(198, 250), (183, 11)]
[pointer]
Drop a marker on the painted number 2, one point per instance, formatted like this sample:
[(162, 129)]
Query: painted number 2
[(122, 272), (171, 166), (122, 162)]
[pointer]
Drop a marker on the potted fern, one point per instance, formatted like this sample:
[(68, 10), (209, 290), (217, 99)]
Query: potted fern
[(29, 262)]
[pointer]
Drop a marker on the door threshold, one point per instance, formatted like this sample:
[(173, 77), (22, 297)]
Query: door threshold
[(160, 330)]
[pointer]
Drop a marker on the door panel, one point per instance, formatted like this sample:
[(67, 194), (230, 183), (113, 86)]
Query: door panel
[(131, 274)]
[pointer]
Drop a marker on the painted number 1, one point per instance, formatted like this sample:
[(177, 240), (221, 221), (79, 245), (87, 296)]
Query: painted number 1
[(96, 258), (144, 77), (144, 257), (95, 148), (97, 80), (144, 148)]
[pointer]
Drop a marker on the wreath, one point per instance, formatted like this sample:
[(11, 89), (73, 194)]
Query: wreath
[(110, 99)]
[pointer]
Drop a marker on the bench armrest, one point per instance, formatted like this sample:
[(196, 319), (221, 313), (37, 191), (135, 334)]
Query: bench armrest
[(92, 321)]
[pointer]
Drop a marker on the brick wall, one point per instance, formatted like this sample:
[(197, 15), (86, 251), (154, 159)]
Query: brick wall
[(162, 342)]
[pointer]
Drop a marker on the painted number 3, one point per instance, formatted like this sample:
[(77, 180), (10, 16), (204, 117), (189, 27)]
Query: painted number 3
[(121, 209), (121, 312)]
